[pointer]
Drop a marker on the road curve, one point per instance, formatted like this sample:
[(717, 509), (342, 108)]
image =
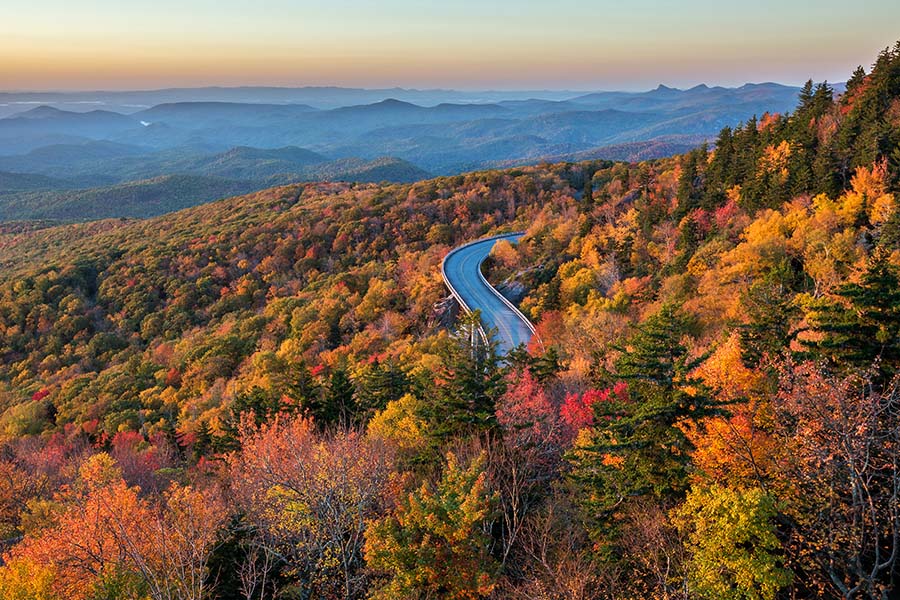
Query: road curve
[(461, 270)]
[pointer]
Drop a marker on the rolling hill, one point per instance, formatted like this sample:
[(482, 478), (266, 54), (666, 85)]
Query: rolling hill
[(135, 199)]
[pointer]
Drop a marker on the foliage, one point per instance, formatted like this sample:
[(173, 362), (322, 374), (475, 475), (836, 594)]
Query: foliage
[(734, 549), (435, 542), (258, 392)]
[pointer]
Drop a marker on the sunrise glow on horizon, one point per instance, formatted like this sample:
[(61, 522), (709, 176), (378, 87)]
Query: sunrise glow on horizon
[(467, 44)]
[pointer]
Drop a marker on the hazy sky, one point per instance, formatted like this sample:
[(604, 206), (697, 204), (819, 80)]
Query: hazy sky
[(500, 44)]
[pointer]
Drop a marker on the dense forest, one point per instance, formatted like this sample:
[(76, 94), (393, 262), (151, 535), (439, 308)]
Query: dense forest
[(271, 397)]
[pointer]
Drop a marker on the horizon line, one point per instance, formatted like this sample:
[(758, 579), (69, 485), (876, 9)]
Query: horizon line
[(586, 90)]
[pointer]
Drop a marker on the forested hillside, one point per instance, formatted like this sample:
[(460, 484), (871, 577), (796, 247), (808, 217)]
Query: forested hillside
[(269, 396)]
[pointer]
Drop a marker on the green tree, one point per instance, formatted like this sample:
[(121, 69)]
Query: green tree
[(638, 446), (689, 183), (734, 552), (461, 399), (378, 383), (436, 544), (720, 171), (862, 322), (767, 331), (339, 401)]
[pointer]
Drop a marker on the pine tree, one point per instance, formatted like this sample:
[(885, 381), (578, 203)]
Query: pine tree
[(805, 96), (379, 383), (689, 183), (546, 366), (256, 403), (767, 331), (856, 80), (823, 99), (466, 387), (302, 386), (340, 400), (720, 171), (862, 323), (638, 446)]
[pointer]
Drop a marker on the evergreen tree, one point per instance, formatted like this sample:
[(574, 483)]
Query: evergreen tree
[(587, 199), (340, 400), (546, 366), (806, 96), (467, 385), (855, 81), (301, 385), (767, 331), (689, 182), (378, 383), (638, 448), (747, 151), (823, 99), (720, 171), (257, 403), (862, 323)]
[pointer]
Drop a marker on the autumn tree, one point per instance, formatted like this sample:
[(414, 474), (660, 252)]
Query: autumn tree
[(843, 434), (109, 542), (308, 497), (435, 543), (84, 547), (172, 545), (735, 553)]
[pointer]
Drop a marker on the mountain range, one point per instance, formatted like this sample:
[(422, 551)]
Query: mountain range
[(304, 134)]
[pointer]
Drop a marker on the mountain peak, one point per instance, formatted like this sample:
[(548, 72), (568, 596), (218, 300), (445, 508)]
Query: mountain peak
[(393, 102), (41, 112)]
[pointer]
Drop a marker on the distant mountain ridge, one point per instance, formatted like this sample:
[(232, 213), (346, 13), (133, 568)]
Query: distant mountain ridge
[(38, 197), (222, 140)]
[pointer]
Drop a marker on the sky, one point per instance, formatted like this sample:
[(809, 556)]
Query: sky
[(462, 44)]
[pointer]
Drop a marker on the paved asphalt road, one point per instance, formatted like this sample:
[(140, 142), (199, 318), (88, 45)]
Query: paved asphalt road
[(462, 274)]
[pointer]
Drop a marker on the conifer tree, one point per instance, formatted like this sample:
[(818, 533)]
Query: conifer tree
[(720, 171), (379, 383), (302, 386), (805, 96), (638, 447), (767, 331), (340, 401), (862, 323), (462, 399)]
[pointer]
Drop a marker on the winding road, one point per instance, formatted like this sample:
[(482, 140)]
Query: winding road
[(461, 270)]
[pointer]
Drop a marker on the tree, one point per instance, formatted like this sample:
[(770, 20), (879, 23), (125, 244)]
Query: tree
[(435, 544), (862, 323), (462, 399), (638, 445), (734, 552), (689, 182), (842, 479), (377, 384), (401, 424), (24, 579), (308, 497), (108, 542), (172, 546), (84, 548), (767, 330), (720, 174)]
